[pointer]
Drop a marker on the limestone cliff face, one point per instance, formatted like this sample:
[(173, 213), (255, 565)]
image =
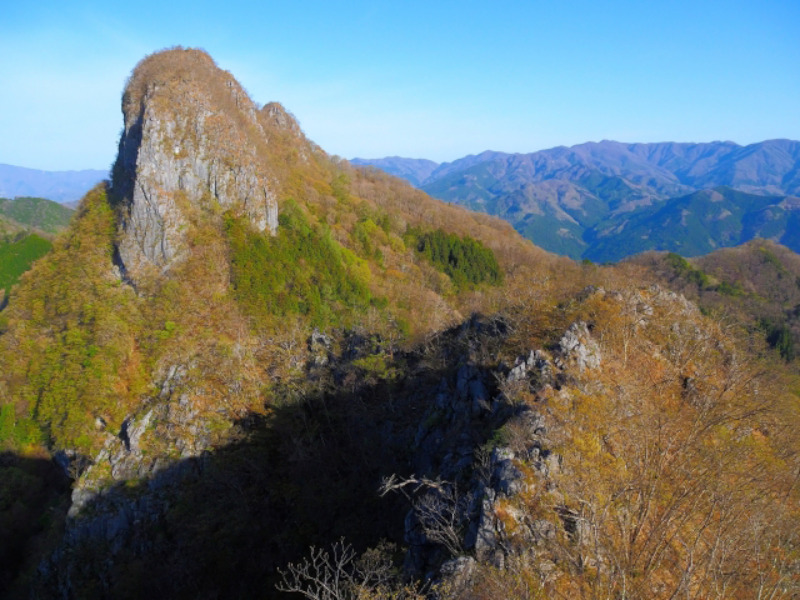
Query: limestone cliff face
[(192, 141)]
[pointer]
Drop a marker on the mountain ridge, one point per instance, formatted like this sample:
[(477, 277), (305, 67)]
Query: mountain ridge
[(60, 186), (670, 155), (197, 404), (556, 197)]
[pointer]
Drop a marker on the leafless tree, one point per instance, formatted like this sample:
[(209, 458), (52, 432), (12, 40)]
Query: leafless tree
[(334, 575), (339, 574), (440, 508)]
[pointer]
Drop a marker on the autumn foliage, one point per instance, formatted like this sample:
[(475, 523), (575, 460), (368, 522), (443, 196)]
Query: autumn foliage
[(309, 358)]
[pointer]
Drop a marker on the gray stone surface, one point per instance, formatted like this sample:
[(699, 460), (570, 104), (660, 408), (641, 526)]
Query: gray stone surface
[(175, 156), (578, 346)]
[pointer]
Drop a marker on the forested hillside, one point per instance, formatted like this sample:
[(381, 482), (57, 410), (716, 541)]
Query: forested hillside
[(248, 369), (27, 226), (36, 213), (756, 284)]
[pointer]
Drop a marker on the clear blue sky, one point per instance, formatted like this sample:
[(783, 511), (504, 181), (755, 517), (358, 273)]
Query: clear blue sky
[(430, 79)]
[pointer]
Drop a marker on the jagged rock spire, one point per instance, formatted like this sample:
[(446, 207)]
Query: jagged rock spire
[(191, 140)]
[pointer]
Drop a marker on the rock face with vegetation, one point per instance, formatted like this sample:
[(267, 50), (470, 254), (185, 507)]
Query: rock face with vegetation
[(378, 396), (191, 139), (756, 284)]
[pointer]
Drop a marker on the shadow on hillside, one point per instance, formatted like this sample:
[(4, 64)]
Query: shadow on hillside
[(219, 526), (33, 500)]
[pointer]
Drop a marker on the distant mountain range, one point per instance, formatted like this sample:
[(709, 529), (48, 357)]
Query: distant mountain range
[(60, 186), (604, 201)]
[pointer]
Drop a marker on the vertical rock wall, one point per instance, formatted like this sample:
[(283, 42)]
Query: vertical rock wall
[(191, 140)]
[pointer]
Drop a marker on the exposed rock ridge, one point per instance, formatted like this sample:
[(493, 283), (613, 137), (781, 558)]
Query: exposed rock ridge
[(192, 139), (468, 505), (166, 428), (103, 512), (467, 477)]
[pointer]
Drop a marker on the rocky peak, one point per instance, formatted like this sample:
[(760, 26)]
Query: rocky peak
[(281, 118), (191, 140)]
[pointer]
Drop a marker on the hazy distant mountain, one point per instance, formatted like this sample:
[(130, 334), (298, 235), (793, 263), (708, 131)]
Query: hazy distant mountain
[(569, 199), (414, 170), (60, 186)]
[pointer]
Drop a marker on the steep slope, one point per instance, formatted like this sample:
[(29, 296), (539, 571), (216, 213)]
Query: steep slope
[(225, 390), (156, 324), (59, 186), (190, 217), (191, 136)]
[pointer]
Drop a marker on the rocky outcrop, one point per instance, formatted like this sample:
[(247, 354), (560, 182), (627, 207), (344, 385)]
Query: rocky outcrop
[(192, 141), (276, 115), (476, 450), (477, 430), (577, 347), (156, 450), (485, 448), (167, 428)]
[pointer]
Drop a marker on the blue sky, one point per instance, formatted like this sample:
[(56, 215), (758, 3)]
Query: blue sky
[(431, 79)]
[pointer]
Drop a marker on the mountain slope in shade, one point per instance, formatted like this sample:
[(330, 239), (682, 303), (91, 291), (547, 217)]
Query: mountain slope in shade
[(60, 186), (559, 197)]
